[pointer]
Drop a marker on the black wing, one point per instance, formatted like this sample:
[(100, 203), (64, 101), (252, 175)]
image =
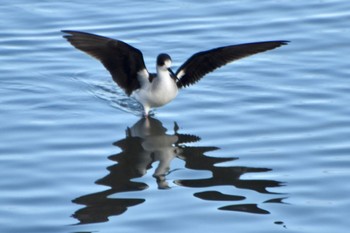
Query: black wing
[(204, 62), (120, 59)]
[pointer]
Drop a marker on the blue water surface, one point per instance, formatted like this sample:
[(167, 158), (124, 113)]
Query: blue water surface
[(260, 145)]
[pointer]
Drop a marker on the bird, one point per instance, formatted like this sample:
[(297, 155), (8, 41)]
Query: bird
[(127, 67)]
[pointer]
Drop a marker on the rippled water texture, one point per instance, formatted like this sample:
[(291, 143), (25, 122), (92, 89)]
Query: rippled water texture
[(261, 145)]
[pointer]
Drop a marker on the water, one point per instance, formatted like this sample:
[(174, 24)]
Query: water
[(261, 145)]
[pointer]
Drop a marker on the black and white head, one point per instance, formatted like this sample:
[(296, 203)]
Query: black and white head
[(163, 61)]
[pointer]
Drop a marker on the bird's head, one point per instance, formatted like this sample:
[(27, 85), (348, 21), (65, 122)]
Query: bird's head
[(163, 61), (164, 64)]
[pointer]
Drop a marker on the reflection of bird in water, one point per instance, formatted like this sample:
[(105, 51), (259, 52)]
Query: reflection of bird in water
[(147, 143), (128, 69), (149, 135)]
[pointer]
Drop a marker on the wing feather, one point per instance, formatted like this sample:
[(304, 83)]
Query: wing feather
[(121, 59), (202, 63)]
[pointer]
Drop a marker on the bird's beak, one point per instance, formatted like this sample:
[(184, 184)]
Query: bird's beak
[(172, 74)]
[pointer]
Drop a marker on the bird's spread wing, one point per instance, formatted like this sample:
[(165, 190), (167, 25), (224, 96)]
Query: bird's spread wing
[(120, 59), (204, 62)]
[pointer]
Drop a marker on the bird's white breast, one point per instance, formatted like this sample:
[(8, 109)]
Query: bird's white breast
[(159, 92)]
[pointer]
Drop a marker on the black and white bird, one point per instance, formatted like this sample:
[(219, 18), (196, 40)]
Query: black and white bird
[(128, 70)]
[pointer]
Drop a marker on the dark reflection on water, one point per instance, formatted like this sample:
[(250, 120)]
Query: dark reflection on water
[(146, 142)]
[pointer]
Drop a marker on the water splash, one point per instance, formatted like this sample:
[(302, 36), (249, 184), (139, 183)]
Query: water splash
[(109, 92)]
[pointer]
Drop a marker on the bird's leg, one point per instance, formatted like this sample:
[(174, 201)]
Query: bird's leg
[(146, 111)]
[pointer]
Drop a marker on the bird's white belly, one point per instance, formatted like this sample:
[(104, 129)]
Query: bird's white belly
[(157, 94)]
